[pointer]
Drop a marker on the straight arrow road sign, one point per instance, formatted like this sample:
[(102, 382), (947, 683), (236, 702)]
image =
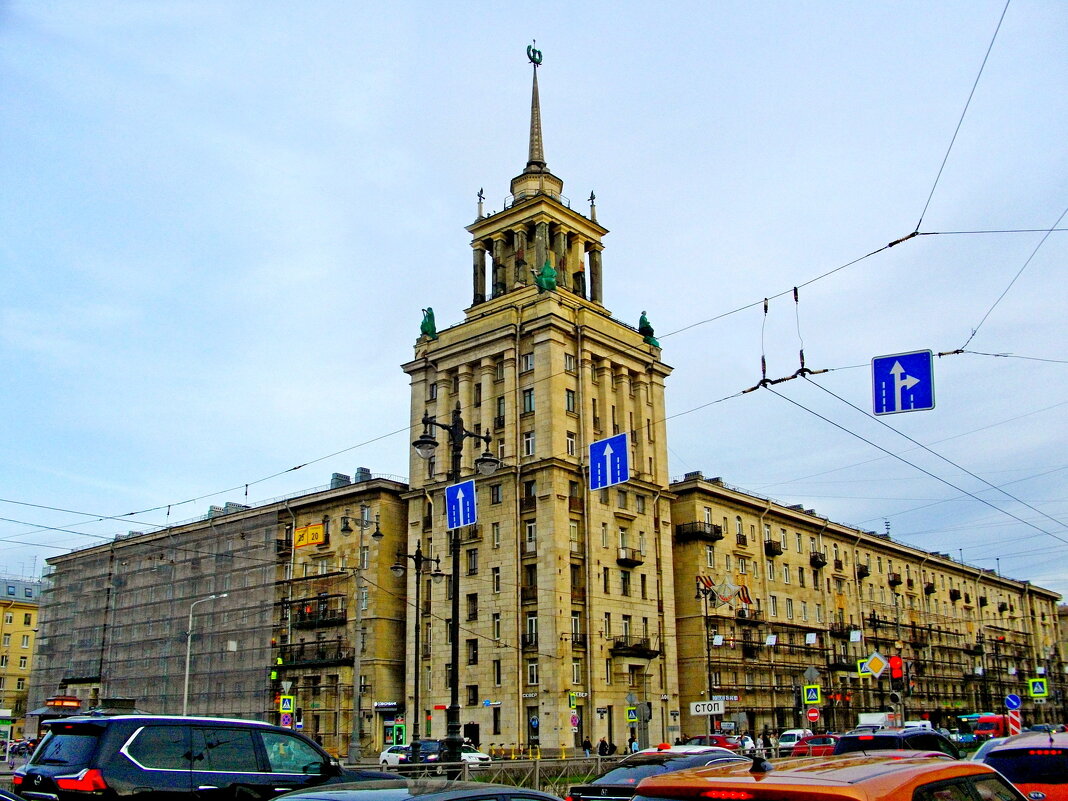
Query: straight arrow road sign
[(460, 507), (609, 462)]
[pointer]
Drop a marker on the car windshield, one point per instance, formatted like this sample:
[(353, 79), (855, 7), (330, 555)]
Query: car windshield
[(1031, 765)]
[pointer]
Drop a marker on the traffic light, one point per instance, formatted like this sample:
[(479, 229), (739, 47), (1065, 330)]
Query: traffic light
[(897, 673)]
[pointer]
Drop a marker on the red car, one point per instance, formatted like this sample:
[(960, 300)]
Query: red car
[(815, 745), (720, 740)]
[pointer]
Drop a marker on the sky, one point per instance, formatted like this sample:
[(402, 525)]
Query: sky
[(219, 222)]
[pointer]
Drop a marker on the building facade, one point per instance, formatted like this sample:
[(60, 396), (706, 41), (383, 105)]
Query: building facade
[(580, 613), (18, 629)]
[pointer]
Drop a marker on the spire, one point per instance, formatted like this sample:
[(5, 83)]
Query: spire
[(536, 157)]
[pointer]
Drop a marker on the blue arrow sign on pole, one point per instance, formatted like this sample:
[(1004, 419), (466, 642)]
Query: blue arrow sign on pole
[(609, 462), (903, 382), (460, 509), (1013, 701)]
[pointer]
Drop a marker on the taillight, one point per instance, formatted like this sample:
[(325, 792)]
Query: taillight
[(726, 794), (17, 778), (866, 737), (87, 781)]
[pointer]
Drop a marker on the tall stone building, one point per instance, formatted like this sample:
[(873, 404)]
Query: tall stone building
[(568, 605), (19, 598)]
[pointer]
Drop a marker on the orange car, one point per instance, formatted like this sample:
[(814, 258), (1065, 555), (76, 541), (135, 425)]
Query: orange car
[(868, 777), (1036, 762)]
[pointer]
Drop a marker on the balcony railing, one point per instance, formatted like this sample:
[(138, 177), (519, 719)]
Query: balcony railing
[(578, 595), (929, 588), (817, 559), (863, 571), (498, 421), (528, 595), (753, 616), (574, 503), (893, 579), (700, 531), (630, 645), (629, 557), (839, 566), (741, 539), (772, 548), (317, 653), (528, 503), (578, 640), (319, 619), (954, 594), (530, 639)]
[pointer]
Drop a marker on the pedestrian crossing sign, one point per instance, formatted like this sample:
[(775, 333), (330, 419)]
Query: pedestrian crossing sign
[(812, 694), (1038, 688), (285, 703), (632, 714)]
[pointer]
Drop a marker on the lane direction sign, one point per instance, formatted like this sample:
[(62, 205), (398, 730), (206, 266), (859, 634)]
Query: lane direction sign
[(460, 507), (903, 382), (609, 462), (1013, 701)]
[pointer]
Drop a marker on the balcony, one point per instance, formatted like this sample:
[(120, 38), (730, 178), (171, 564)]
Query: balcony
[(471, 533), (817, 559), (772, 548), (528, 595), (630, 645), (863, 571), (910, 583), (425, 650), (319, 619), (530, 639), (837, 664), (283, 546), (839, 631), (574, 503), (578, 640), (741, 539), (700, 532), (929, 588), (629, 557), (750, 616), (893, 579), (974, 649), (982, 600), (528, 503), (498, 421), (315, 654), (1003, 607), (954, 594), (839, 566), (578, 595), (750, 650)]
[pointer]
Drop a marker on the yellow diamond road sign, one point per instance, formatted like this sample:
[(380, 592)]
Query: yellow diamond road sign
[(877, 664)]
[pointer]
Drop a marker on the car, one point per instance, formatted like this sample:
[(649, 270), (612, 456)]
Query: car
[(165, 756), (853, 777), (984, 749), (473, 756), (791, 737), (619, 781), (815, 745), (901, 739), (1036, 762), (434, 788), (718, 740), (393, 756), (1047, 727)]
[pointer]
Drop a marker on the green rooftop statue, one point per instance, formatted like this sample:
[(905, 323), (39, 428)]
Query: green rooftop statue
[(427, 328), (646, 330), (546, 278)]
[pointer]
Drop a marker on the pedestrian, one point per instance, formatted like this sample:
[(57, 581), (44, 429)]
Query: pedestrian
[(587, 746), (632, 745), (602, 747), (612, 748)]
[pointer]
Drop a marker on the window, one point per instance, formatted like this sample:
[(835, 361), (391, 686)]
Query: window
[(786, 574), (804, 610), (727, 562), (495, 493), (738, 526), (528, 401), (572, 446), (531, 537), (769, 570), (9, 617), (497, 672), (801, 577), (498, 370), (24, 662), (495, 534), (576, 671), (624, 582), (496, 625), (569, 400), (10, 589), (7, 640), (532, 672), (472, 695), (710, 556), (621, 499), (364, 595), (495, 579), (526, 364), (472, 606), (604, 535), (3, 660), (742, 562), (773, 606), (20, 683), (607, 624), (608, 671), (29, 592), (606, 577), (472, 651), (472, 561), (569, 363), (819, 613), (528, 443), (789, 608)]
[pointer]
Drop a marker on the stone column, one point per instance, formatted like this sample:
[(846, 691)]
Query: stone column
[(641, 414), (522, 268), (489, 397), (541, 244), (560, 250), (577, 266), (595, 273), (467, 408), (604, 397), (500, 280), (479, 277)]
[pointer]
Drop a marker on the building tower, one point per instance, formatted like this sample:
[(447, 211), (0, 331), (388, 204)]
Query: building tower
[(566, 595)]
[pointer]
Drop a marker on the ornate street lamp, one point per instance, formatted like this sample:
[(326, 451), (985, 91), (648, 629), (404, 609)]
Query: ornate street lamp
[(485, 464), (398, 570)]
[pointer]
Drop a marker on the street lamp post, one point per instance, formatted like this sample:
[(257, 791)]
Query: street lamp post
[(704, 592), (189, 647), (398, 570), (486, 464)]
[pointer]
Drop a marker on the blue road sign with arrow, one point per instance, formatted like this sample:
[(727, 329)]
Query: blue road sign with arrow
[(1013, 701), (903, 382), (460, 509), (609, 462)]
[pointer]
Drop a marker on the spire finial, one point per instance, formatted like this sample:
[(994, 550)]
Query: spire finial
[(536, 154)]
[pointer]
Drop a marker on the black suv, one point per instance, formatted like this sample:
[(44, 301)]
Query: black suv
[(620, 781), (174, 758), (911, 739)]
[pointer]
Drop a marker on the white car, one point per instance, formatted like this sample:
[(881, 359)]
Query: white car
[(473, 756), (393, 756), (789, 738)]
